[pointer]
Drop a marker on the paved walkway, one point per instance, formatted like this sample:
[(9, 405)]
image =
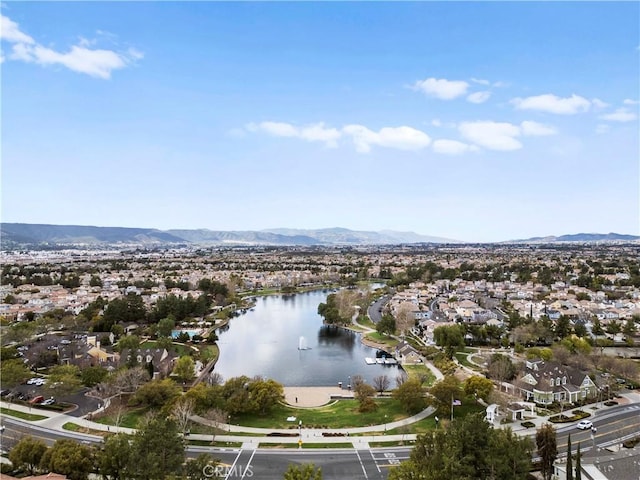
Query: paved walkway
[(365, 435)]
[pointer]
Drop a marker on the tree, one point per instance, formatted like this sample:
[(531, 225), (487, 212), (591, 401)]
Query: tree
[(501, 368), (182, 412), (27, 454), (303, 472), (569, 459), (387, 325), (597, 327), (547, 449), (64, 379), (158, 449), (265, 394), (69, 458), (405, 318), (445, 392), (13, 373), (166, 326), (469, 449), (364, 394), (451, 338), (235, 393), (91, 376), (115, 460), (131, 342), (218, 416), (563, 327), (184, 369), (203, 467), (478, 386), (381, 383), (410, 395), (156, 393)]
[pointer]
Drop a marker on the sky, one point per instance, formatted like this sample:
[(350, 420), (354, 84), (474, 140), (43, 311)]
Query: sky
[(480, 121)]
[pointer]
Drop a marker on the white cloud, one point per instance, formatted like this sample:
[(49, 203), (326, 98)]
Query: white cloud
[(480, 81), (401, 138), (442, 88), (491, 135), (629, 101), (536, 129), (94, 62), (602, 128), (436, 122), (620, 115), (311, 133), (452, 147), (479, 97), (599, 103), (553, 104), (10, 32)]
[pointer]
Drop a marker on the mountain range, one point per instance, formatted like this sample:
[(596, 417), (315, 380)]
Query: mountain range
[(13, 235)]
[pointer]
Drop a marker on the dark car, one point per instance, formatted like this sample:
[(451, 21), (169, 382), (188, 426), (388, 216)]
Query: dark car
[(4, 392)]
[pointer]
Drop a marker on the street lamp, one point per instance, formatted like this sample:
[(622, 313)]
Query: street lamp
[(300, 431), (385, 423), (229, 422)]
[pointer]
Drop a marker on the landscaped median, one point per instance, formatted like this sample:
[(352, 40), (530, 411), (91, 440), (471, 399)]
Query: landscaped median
[(576, 415)]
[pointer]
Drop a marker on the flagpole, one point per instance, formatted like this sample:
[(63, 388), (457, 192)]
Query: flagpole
[(452, 407)]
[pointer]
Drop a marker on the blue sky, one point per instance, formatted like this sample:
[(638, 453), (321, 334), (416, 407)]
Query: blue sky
[(472, 121)]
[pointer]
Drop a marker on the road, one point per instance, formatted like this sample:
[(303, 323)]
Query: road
[(613, 425), (374, 310)]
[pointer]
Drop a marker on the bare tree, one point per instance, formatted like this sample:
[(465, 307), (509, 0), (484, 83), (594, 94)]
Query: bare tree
[(405, 319), (381, 383), (401, 378), (182, 412), (118, 412), (218, 417), (356, 381), (129, 380), (215, 378)]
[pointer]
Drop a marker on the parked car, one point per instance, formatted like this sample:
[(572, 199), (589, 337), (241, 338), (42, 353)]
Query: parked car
[(4, 392), (32, 381), (584, 424), (36, 400), (49, 401)]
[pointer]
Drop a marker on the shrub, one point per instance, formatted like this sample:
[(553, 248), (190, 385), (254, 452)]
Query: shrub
[(528, 424)]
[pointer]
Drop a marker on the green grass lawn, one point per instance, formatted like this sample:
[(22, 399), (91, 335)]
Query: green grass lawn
[(416, 371), (340, 414), (376, 337), (366, 322), (32, 417), (462, 358), (130, 418)]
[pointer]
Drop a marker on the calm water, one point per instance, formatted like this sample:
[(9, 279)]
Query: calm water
[(265, 342)]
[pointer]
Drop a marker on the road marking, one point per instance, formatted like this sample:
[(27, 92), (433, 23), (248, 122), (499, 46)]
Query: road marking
[(375, 462), (361, 464), (233, 465), (248, 463)]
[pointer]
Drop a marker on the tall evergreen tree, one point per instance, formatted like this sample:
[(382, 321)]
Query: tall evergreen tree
[(569, 460), (578, 464), (547, 449)]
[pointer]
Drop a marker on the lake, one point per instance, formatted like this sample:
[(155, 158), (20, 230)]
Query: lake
[(265, 340)]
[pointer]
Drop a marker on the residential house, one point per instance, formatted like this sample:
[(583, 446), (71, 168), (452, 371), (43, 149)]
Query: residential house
[(162, 360), (407, 355), (548, 382)]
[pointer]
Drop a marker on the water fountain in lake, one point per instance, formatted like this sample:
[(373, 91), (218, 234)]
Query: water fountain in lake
[(302, 344)]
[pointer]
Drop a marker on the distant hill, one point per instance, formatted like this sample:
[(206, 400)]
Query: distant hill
[(581, 237), (25, 233), (346, 236), (15, 234)]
